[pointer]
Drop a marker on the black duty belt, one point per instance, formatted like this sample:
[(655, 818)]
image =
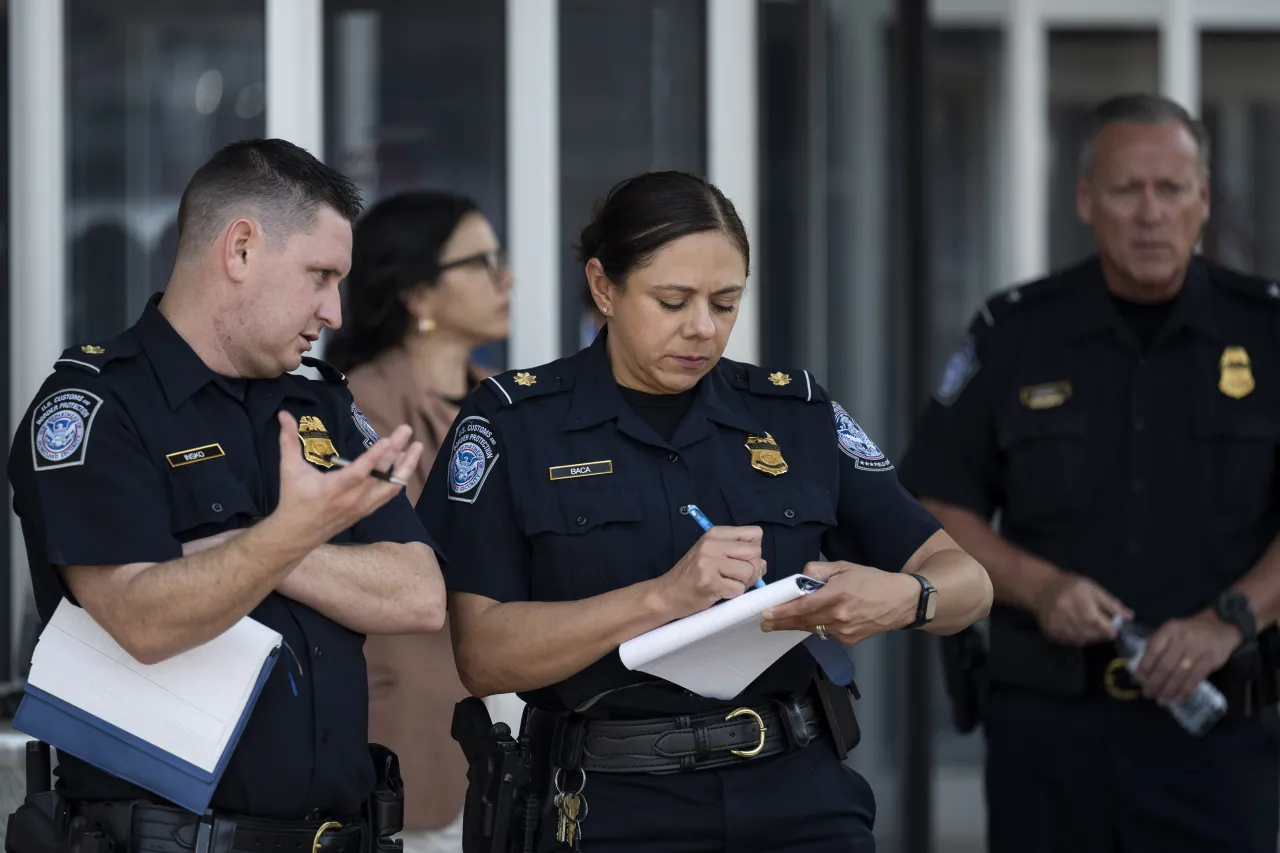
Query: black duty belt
[(141, 827), (694, 742)]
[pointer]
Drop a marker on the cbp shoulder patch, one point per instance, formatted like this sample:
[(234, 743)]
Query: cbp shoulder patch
[(471, 461), (856, 444), (60, 428), (960, 368), (367, 433)]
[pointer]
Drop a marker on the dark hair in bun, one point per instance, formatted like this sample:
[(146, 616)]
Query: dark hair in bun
[(642, 214)]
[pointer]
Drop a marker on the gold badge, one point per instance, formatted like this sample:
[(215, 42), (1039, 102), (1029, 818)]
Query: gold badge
[(92, 350), (316, 445), (525, 379), (1049, 395), (765, 455), (780, 379), (1236, 379)]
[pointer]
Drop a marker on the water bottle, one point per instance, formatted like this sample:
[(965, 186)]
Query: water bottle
[(1198, 712)]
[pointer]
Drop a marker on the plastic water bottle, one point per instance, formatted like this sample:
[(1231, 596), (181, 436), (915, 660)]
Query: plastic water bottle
[(1198, 712)]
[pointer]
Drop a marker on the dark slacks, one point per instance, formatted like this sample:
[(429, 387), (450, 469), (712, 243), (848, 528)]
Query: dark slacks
[(803, 801), (1104, 776)]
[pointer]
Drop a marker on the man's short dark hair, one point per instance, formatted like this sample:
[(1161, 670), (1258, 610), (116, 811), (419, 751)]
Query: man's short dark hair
[(276, 182), (1141, 109)]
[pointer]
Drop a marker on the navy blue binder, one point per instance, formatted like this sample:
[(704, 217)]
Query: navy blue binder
[(111, 749)]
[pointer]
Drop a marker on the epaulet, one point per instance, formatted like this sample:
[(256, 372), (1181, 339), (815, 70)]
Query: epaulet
[(1250, 286), (764, 382), (327, 371), (92, 358), (1011, 299), (516, 386)]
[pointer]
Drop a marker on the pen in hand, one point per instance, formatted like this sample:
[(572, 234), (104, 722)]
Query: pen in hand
[(705, 524), (380, 475)]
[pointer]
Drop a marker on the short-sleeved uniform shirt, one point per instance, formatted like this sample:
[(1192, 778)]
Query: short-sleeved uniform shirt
[(550, 487), (135, 446), (1146, 465)]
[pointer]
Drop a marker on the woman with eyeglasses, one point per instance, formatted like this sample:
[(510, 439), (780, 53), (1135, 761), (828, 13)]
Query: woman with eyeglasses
[(428, 285)]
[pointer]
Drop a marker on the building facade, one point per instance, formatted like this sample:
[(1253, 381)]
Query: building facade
[(536, 107)]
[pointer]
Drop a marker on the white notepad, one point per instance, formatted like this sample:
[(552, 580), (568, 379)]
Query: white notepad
[(718, 652), (189, 706)]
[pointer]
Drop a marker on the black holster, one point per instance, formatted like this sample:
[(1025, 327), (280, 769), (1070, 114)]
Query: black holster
[(500, 806), (42, 824), (385, 809), (837, 707), (967, 677)]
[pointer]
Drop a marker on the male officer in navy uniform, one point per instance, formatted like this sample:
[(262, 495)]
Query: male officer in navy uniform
[(1123, 417), (178, 478)]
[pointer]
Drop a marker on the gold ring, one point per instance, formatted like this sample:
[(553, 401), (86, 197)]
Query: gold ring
[(821, 631), (1186, 663)]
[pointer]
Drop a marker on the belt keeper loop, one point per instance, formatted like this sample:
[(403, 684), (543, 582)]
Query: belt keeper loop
[(798, 734), (568, 743), (701, 743)]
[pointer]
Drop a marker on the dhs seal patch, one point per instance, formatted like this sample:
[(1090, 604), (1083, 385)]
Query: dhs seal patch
[(60, 428), (959, 369), (475, 451), (367, 432), (856, 444)]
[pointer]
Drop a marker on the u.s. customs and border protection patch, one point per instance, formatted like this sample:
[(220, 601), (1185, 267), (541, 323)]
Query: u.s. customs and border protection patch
[(856, 444), (367, 433), (317, 447), (60, 428), (959, 369), (471, 460)]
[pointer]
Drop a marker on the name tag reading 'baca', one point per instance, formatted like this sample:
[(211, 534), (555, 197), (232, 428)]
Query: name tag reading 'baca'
[(582, 469)]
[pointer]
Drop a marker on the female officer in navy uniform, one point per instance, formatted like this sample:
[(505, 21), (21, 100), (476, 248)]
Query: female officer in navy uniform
[(560, 510)]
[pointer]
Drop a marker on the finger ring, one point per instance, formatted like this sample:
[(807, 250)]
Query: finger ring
[(821, 631), (1186, 663)]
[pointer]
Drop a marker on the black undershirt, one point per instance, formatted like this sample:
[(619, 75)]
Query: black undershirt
[(662, 412), (1145, 318)]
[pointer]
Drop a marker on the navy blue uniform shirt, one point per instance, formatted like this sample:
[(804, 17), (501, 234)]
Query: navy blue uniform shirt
[(508, 503), (1141, 456), (102, 474)]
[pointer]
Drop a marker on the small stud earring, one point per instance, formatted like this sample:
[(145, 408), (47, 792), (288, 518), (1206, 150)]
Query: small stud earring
[(426, 325)]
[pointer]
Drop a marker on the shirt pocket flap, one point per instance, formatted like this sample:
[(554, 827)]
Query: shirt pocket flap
[(204, 501), (787, 504), (583, 510), (1236, 421), (1021, 425)]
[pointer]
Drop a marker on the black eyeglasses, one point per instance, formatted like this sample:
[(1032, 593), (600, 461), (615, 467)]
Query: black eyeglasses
[(494, 262)]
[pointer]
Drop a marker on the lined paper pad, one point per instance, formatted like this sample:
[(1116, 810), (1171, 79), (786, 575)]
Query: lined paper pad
[(718, 652), (189, 706)]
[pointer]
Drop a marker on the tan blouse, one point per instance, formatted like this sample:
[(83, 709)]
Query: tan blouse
[(413, 681)]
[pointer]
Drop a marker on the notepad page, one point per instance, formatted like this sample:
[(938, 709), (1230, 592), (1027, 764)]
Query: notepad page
[(694, 629), (188, 705), (724, 664)]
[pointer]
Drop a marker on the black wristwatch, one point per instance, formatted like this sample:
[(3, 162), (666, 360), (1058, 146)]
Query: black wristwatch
[(927, 605), (1233, 608)]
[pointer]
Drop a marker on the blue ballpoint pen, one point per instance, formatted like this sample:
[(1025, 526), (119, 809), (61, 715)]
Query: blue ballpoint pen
[(705, 524)]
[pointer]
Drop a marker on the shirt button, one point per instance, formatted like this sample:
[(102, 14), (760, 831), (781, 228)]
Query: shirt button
[(674, 457), (1138, 485), (1134, 547), (217, 507), (582, 519), (789, 513), (1139, 425), (317, 653)]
